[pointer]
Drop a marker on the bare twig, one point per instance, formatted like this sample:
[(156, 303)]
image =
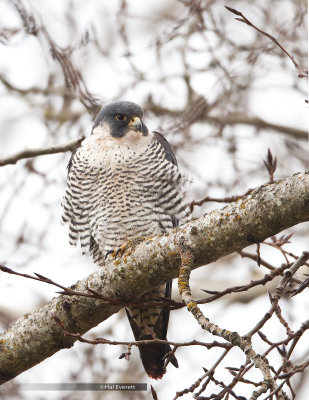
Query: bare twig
[(187, 260), (229, 199), (301, 72), (101, 340), (288, 274), (243, 288), (162, 302), (154, 393), (40, 151)]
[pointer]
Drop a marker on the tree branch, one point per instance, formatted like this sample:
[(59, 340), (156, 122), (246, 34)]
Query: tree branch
[(187, 261), (231, 119), (259, 123), (301, 72), (266, 211), (40, 151)]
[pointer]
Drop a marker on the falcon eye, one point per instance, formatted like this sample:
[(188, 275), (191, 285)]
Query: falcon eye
[(121, 117)]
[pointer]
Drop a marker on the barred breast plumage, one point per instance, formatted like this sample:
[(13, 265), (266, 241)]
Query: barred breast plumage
[(116, 192), (122, 186)]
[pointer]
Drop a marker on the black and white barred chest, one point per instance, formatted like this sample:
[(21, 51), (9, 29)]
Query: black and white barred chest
[(118, 191)]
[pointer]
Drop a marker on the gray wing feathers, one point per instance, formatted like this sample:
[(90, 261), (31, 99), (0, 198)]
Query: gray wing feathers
[(170, 156)]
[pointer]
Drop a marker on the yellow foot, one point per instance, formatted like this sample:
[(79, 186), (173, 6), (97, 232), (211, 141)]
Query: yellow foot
[(119, 251)]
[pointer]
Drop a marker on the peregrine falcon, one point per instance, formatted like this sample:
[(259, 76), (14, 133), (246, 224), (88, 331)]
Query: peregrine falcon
[(124, 182)]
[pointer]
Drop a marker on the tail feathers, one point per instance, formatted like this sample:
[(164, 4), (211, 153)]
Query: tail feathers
[(153, 355), (153, 358)]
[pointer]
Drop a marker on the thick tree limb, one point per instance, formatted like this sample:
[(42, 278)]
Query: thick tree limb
[(40, 151), (264, 212)]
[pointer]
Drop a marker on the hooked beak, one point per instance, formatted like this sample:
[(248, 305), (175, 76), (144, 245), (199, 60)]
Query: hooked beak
[(136, 124)]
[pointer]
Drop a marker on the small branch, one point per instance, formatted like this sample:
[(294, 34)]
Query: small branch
[(290, 272), (294, 337), (101, 340), (301, 73), (296, 369), (265, 264), (243, 288), (187, 262), (274, 299), (208, 373), (206, 199), (162, 302), (270, 164), (40, 151), (300, 288)]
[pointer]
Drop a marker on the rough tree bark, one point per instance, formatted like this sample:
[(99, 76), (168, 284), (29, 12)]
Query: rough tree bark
[(266, 211)]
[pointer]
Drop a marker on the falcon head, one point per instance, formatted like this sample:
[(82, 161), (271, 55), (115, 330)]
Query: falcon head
[(121, 117)]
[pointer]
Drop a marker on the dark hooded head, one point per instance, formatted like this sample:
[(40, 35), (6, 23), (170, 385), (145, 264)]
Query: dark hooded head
[(121, 117)]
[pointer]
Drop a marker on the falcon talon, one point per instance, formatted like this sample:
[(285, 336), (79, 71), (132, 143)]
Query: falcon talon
[(124, 184), (120, 250), (108, 253)]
